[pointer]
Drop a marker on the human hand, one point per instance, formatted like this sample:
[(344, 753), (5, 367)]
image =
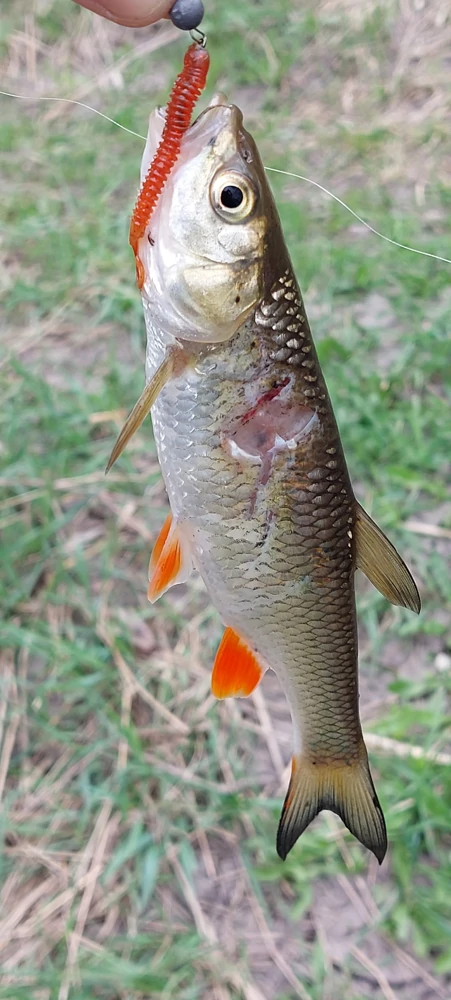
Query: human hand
[(132, 13)]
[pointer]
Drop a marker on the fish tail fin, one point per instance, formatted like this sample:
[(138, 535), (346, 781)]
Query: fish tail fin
[(346, 789)]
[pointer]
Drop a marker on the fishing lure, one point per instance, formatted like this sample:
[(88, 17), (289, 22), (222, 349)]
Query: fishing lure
[(185, 92)]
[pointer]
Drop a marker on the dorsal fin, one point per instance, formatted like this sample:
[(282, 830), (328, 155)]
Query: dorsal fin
[(382, 564)]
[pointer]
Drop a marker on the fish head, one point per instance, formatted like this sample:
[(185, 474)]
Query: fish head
[(213, 232)]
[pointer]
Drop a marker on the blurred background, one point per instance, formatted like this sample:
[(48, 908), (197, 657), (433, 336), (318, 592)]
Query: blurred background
[(138, 814)]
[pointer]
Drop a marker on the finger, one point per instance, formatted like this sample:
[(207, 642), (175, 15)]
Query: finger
[(132, 13)]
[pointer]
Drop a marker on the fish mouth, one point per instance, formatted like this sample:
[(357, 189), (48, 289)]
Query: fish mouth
[(220, 126), (218, 99)]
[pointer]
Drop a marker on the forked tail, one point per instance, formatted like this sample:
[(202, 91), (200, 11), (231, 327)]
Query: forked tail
[(346, 789)]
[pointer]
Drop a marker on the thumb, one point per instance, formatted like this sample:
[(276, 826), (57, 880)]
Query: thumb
[(133, 13)]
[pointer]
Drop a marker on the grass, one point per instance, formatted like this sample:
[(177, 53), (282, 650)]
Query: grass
[(139, 816)]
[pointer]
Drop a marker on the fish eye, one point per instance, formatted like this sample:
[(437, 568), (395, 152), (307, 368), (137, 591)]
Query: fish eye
[(233, 196)]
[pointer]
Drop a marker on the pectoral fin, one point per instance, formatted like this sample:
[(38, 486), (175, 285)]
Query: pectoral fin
[(236, 670), (170, 562), (382, 564), (173, 363)]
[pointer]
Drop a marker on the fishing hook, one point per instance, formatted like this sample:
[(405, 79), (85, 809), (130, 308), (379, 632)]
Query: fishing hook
[(199, 36)]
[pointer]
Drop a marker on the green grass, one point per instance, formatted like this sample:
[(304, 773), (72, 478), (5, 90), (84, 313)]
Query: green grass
[(139, 821)]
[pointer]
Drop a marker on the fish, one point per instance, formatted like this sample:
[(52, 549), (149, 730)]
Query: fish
[(261, 501)]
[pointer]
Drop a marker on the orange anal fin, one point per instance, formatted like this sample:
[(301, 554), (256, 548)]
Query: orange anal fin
[(236, 670), (170, 562)]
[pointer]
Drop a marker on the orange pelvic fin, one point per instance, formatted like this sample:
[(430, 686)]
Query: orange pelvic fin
[(345, 788), (170, 562), (236, 670)]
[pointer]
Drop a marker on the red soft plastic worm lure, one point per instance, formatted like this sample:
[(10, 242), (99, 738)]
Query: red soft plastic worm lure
[(185, 92)]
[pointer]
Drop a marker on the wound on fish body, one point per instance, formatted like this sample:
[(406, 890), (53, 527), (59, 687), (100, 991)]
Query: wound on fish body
[(269, 428)]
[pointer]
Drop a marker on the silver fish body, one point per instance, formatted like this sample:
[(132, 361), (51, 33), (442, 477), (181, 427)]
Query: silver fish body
[(253, 464)]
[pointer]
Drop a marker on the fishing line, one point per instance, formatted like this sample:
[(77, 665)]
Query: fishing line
[(67, 100), (274, 170), (403, 246)]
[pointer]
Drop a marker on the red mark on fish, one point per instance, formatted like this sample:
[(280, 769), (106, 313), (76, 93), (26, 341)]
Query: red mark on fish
[(272, 425)]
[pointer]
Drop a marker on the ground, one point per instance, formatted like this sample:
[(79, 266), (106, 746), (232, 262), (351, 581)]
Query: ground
[(139, 815)]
